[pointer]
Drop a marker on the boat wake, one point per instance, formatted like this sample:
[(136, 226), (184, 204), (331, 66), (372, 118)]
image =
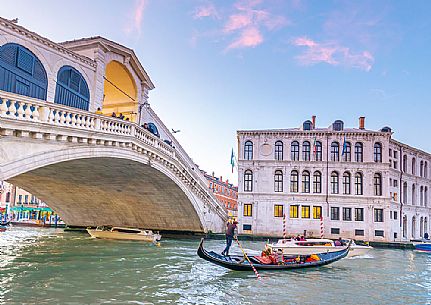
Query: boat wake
[(366, 256)]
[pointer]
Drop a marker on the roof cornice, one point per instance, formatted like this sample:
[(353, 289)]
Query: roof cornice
[(36, 37), (112, 46)]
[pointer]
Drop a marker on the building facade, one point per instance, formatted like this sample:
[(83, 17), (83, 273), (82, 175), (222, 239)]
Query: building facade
[(225, 192), (359, 183)]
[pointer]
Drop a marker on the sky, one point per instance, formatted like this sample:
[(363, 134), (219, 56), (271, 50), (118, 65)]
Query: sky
[(222, 66)]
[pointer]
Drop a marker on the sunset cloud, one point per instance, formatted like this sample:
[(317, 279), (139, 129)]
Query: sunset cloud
[(333, 54), (245, 24), (208, 10), (137, 16)]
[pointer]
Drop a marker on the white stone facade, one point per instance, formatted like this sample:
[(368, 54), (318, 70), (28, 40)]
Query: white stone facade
[(373, 214)]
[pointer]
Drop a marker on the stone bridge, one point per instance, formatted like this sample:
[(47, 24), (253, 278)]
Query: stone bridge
[(97, 170)]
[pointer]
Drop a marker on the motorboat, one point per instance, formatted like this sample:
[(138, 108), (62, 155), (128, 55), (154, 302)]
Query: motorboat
[(122, 233), (423, 245), (315, 245), (271, 261)]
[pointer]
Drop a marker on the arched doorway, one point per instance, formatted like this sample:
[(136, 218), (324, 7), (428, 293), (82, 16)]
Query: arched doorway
[(120, 92), (421, 227), (22, 72), (405, 226)]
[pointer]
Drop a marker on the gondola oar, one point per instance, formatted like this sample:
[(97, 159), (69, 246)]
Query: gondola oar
[(245, 255)]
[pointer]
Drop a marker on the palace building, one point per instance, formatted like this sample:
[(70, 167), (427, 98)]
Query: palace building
[(362, 183)]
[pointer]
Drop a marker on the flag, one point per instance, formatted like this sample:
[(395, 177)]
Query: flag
[(344, 147), (232, 160)]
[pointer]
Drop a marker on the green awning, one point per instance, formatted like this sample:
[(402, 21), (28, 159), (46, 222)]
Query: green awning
[(30, 209)]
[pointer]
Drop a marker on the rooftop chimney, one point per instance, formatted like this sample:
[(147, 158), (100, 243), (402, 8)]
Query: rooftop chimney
[(362, 122), (313, 121)]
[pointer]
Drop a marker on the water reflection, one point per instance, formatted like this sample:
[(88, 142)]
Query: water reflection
[(52, 267)]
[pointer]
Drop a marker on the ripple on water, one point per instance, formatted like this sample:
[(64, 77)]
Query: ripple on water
[(43, 266)]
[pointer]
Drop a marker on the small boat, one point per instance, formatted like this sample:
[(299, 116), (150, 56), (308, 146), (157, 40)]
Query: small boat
[(423, 245), (239, 263), (3, 228), (121, 233), (5, 223), (312, 245)]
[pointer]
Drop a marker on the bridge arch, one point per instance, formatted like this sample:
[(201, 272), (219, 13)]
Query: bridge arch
[(90, 186)]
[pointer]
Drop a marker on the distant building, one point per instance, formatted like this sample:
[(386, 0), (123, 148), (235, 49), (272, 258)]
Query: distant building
[(20, 205), (225, 192), (363, 183)]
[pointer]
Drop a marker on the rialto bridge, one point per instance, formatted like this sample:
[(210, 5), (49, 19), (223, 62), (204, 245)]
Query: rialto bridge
[(91, 168)]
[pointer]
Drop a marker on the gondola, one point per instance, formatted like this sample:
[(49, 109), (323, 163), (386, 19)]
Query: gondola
[(239, 263)]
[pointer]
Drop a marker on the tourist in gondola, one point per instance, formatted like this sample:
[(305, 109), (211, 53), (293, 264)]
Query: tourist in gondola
[(230, 233)]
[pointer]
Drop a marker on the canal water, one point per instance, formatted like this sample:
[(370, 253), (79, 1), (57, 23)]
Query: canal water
[(49, 266)]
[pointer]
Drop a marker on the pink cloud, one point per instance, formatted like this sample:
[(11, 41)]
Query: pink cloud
[(246, 24), (332, 53), (137, 16), (208, 10), (250, 38)]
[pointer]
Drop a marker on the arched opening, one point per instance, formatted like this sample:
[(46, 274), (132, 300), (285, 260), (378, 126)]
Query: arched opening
[(414, 227), (72, 89), (120, 92), (405, 226), (22, 72)]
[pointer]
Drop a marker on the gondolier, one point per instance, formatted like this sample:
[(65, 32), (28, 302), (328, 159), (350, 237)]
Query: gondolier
[(230, 233)]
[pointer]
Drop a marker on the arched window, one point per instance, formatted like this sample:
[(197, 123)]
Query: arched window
[(306, 149), (248, 150), (248, 181), (7, 197), (347, 152), (359, 190), (335, 151), (378, 152), (405, 163), (421, 196), (306, 182), (426, 196), (421, 169), (414, 194), (279, 150), (22, 72), (413, 226), (294, 151), (334, 183), (405, 190), (278, 181), (307, 125), (72, 89), (294, 181), (426, 170), (414, 166), (425, 225), (318, 151), (317, 182), (346, 183), (359, 152), (377, 184)]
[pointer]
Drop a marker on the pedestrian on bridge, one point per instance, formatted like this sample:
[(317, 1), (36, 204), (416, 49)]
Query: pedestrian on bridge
[(230, 233)]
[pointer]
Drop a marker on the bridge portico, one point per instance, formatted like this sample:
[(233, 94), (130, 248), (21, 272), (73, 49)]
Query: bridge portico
[(97, 170)]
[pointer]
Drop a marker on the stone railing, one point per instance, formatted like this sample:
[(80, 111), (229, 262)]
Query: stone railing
[(26, 109)]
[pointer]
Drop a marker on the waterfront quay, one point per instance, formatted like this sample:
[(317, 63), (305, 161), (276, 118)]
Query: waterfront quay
[(49, 266)]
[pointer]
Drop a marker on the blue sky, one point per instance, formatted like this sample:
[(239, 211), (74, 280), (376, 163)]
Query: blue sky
[(222, 66)]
